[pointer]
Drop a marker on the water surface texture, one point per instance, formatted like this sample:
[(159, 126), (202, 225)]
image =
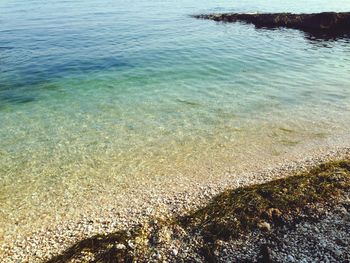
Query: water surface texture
[(99, 96)]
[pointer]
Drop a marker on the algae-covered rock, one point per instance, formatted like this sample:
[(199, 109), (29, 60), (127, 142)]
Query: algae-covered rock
[(327, 21)]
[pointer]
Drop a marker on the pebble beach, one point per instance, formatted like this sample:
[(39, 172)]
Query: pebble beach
[(128, 128), (41, 245)]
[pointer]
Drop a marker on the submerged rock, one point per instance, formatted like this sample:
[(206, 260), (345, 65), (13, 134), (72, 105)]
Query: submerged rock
[(327, 21)]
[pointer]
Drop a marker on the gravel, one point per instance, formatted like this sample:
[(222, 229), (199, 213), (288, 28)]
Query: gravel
[(320, 237), (325, 239)]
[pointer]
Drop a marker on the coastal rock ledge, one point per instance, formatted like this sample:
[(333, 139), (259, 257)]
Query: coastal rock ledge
[(327, 21)]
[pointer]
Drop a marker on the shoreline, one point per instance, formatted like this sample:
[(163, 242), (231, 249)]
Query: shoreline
[(128, 127), (314, 202), (42, 245)]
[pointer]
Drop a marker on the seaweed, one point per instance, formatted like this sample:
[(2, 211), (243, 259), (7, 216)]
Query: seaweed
[(227, 216)]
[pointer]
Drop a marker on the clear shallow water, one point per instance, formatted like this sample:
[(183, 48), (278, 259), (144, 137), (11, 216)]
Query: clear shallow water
[(98, 96)]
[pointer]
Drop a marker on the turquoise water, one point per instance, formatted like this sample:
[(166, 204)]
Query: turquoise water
[(95, 94)]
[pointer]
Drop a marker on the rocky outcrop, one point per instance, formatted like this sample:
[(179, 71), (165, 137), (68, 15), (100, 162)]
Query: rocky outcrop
[(327, 22)]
